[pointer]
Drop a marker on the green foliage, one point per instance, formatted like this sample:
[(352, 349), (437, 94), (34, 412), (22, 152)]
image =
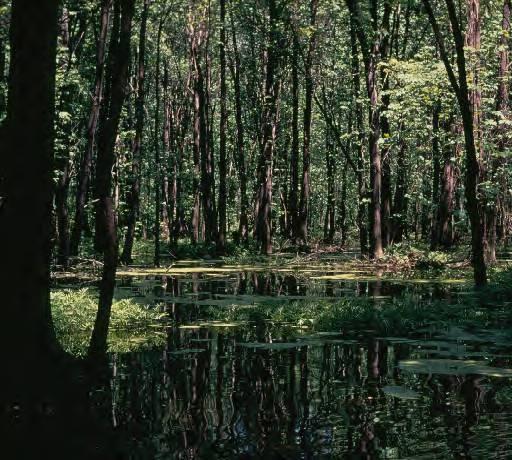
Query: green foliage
[(132, 326)]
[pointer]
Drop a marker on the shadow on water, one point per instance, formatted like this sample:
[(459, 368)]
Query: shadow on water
[(259, 390)]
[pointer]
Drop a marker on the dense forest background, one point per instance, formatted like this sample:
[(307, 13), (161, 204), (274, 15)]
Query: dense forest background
[(280, 123)]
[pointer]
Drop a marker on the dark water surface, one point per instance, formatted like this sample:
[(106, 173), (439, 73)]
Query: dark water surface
[(221, 390)]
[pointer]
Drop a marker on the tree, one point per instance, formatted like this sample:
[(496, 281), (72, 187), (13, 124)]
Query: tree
[(25, 211), (117, 77), (467, 105), (137, 153)]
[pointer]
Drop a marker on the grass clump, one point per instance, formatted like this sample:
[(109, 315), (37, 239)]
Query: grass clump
[(132, 326)]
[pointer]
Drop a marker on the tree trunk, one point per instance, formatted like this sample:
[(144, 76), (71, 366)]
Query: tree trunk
[(436, 173), (105, 213), (271, 96), (466, 105), (371, 56), (26, 188), (502, 107), (308, 111), (243, 228), (361, 183), (84, 175), (223, 128), (400, 202), (294, 156), (330, 162), (133, 199), (156, 140)]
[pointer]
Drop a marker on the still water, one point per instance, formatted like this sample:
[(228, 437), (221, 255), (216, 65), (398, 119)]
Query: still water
[(219, 390)]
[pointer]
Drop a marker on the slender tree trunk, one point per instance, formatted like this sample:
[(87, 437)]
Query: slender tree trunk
[(400, 202), (371, 55), (202, 153), (3, 99), (156, 139), (294, 157), (361, 183), (223, 128), (386, 203), (308, 111), (444, 231), (466, 104), (84, 175), (495, 209), (343, 207), (133, 199), (271, 96), (105, 214), (62, 158), (436, 173), (330, 161), (243, 228)]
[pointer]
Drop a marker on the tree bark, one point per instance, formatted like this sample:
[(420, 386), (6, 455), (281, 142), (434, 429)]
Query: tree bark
[(308, 111), (371, 57), (156, 146), (294, 156), (84, 175), (243, 228), (271, 96), (473, 168), (495, 209), (358, 108), (105, 214), (26, 186), (223, 128), (133, 198)]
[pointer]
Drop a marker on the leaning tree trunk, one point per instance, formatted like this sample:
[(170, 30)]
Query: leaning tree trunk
[(105, 212), (466, 104), (84, 175)]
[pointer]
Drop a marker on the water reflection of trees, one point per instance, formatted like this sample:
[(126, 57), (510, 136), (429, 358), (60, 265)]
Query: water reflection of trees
[(234, 402)]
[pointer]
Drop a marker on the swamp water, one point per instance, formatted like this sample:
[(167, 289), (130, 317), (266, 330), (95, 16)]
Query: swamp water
[(224, 388)]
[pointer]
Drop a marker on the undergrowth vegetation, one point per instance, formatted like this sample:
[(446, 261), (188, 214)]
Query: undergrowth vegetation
[(132, 326)]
